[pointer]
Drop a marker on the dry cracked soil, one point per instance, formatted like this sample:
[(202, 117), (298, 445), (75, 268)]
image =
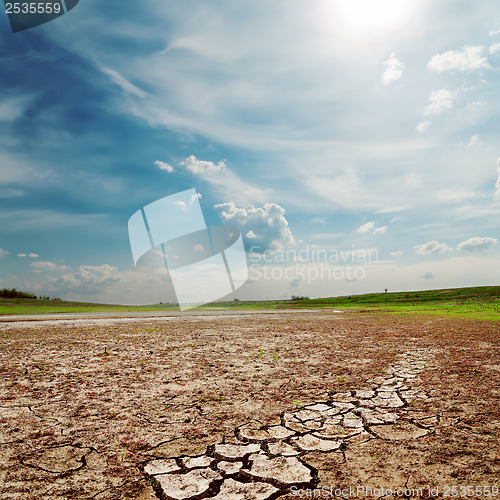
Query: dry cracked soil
[(240, 407)]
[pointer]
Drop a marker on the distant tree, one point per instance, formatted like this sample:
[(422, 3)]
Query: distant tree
[(299, 297)]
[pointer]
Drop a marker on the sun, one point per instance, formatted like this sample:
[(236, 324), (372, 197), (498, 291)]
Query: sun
[(363, 19)]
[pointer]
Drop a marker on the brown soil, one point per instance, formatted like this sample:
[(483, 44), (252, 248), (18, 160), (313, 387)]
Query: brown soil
[(84, 408)]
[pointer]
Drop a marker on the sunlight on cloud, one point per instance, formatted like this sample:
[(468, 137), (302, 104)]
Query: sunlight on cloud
[(394, 69), (266, 227), (468, 60)]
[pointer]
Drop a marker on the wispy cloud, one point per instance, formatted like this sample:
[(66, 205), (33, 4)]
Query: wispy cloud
[(475, 140), (30, 255), (122, 82), (441, 100), (3, 253), (423, 127)]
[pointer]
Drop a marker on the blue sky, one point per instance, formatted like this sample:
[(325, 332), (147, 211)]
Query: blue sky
[(328, 126)]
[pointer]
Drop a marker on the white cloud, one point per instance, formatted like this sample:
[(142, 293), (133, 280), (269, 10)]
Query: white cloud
[(200, 167), (164, 166), (477, 244), (474, 141), (441, 100), (456, 195), (3, 253), (468, 60), (251, 235), (192, 198), (497, 184), (47, 266), (394, 69), (31, 255), (226, 183), (494, 48), (423, 127), (267, 226), (369, 227), (122, 82), (432, 247), (397, 253), (88, 280), (366, 228)]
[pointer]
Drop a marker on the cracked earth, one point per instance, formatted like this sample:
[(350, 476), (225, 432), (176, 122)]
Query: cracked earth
[(247, 407)]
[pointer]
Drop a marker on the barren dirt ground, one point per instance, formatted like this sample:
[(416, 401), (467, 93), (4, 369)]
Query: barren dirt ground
[(308, 400)]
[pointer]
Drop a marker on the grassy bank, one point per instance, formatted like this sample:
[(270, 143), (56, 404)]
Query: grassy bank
[(476, 302)]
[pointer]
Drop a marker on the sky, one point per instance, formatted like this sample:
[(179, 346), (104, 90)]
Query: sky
[(355, 144)]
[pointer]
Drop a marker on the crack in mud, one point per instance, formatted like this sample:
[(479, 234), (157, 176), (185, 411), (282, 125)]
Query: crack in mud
[(266, 461)]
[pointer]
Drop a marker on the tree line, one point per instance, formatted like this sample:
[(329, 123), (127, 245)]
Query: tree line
[(15, 294)]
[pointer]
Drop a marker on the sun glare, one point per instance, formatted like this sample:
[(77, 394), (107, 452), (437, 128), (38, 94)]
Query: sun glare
[(363, 19)]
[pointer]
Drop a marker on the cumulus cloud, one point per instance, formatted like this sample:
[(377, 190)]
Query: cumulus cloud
[(192, 198), (469, 59), (423, 127), (201, 167), (88, 280), (30, 255), (369, 227), (47, 266), (475, 140), (268, 227), (433, 247), (393, 69), (441, 100), (397, 253), (477, 244), (3, 253), (164, 166), (366, 228)]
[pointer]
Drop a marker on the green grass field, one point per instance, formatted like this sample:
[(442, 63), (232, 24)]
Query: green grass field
[(477, 302)]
